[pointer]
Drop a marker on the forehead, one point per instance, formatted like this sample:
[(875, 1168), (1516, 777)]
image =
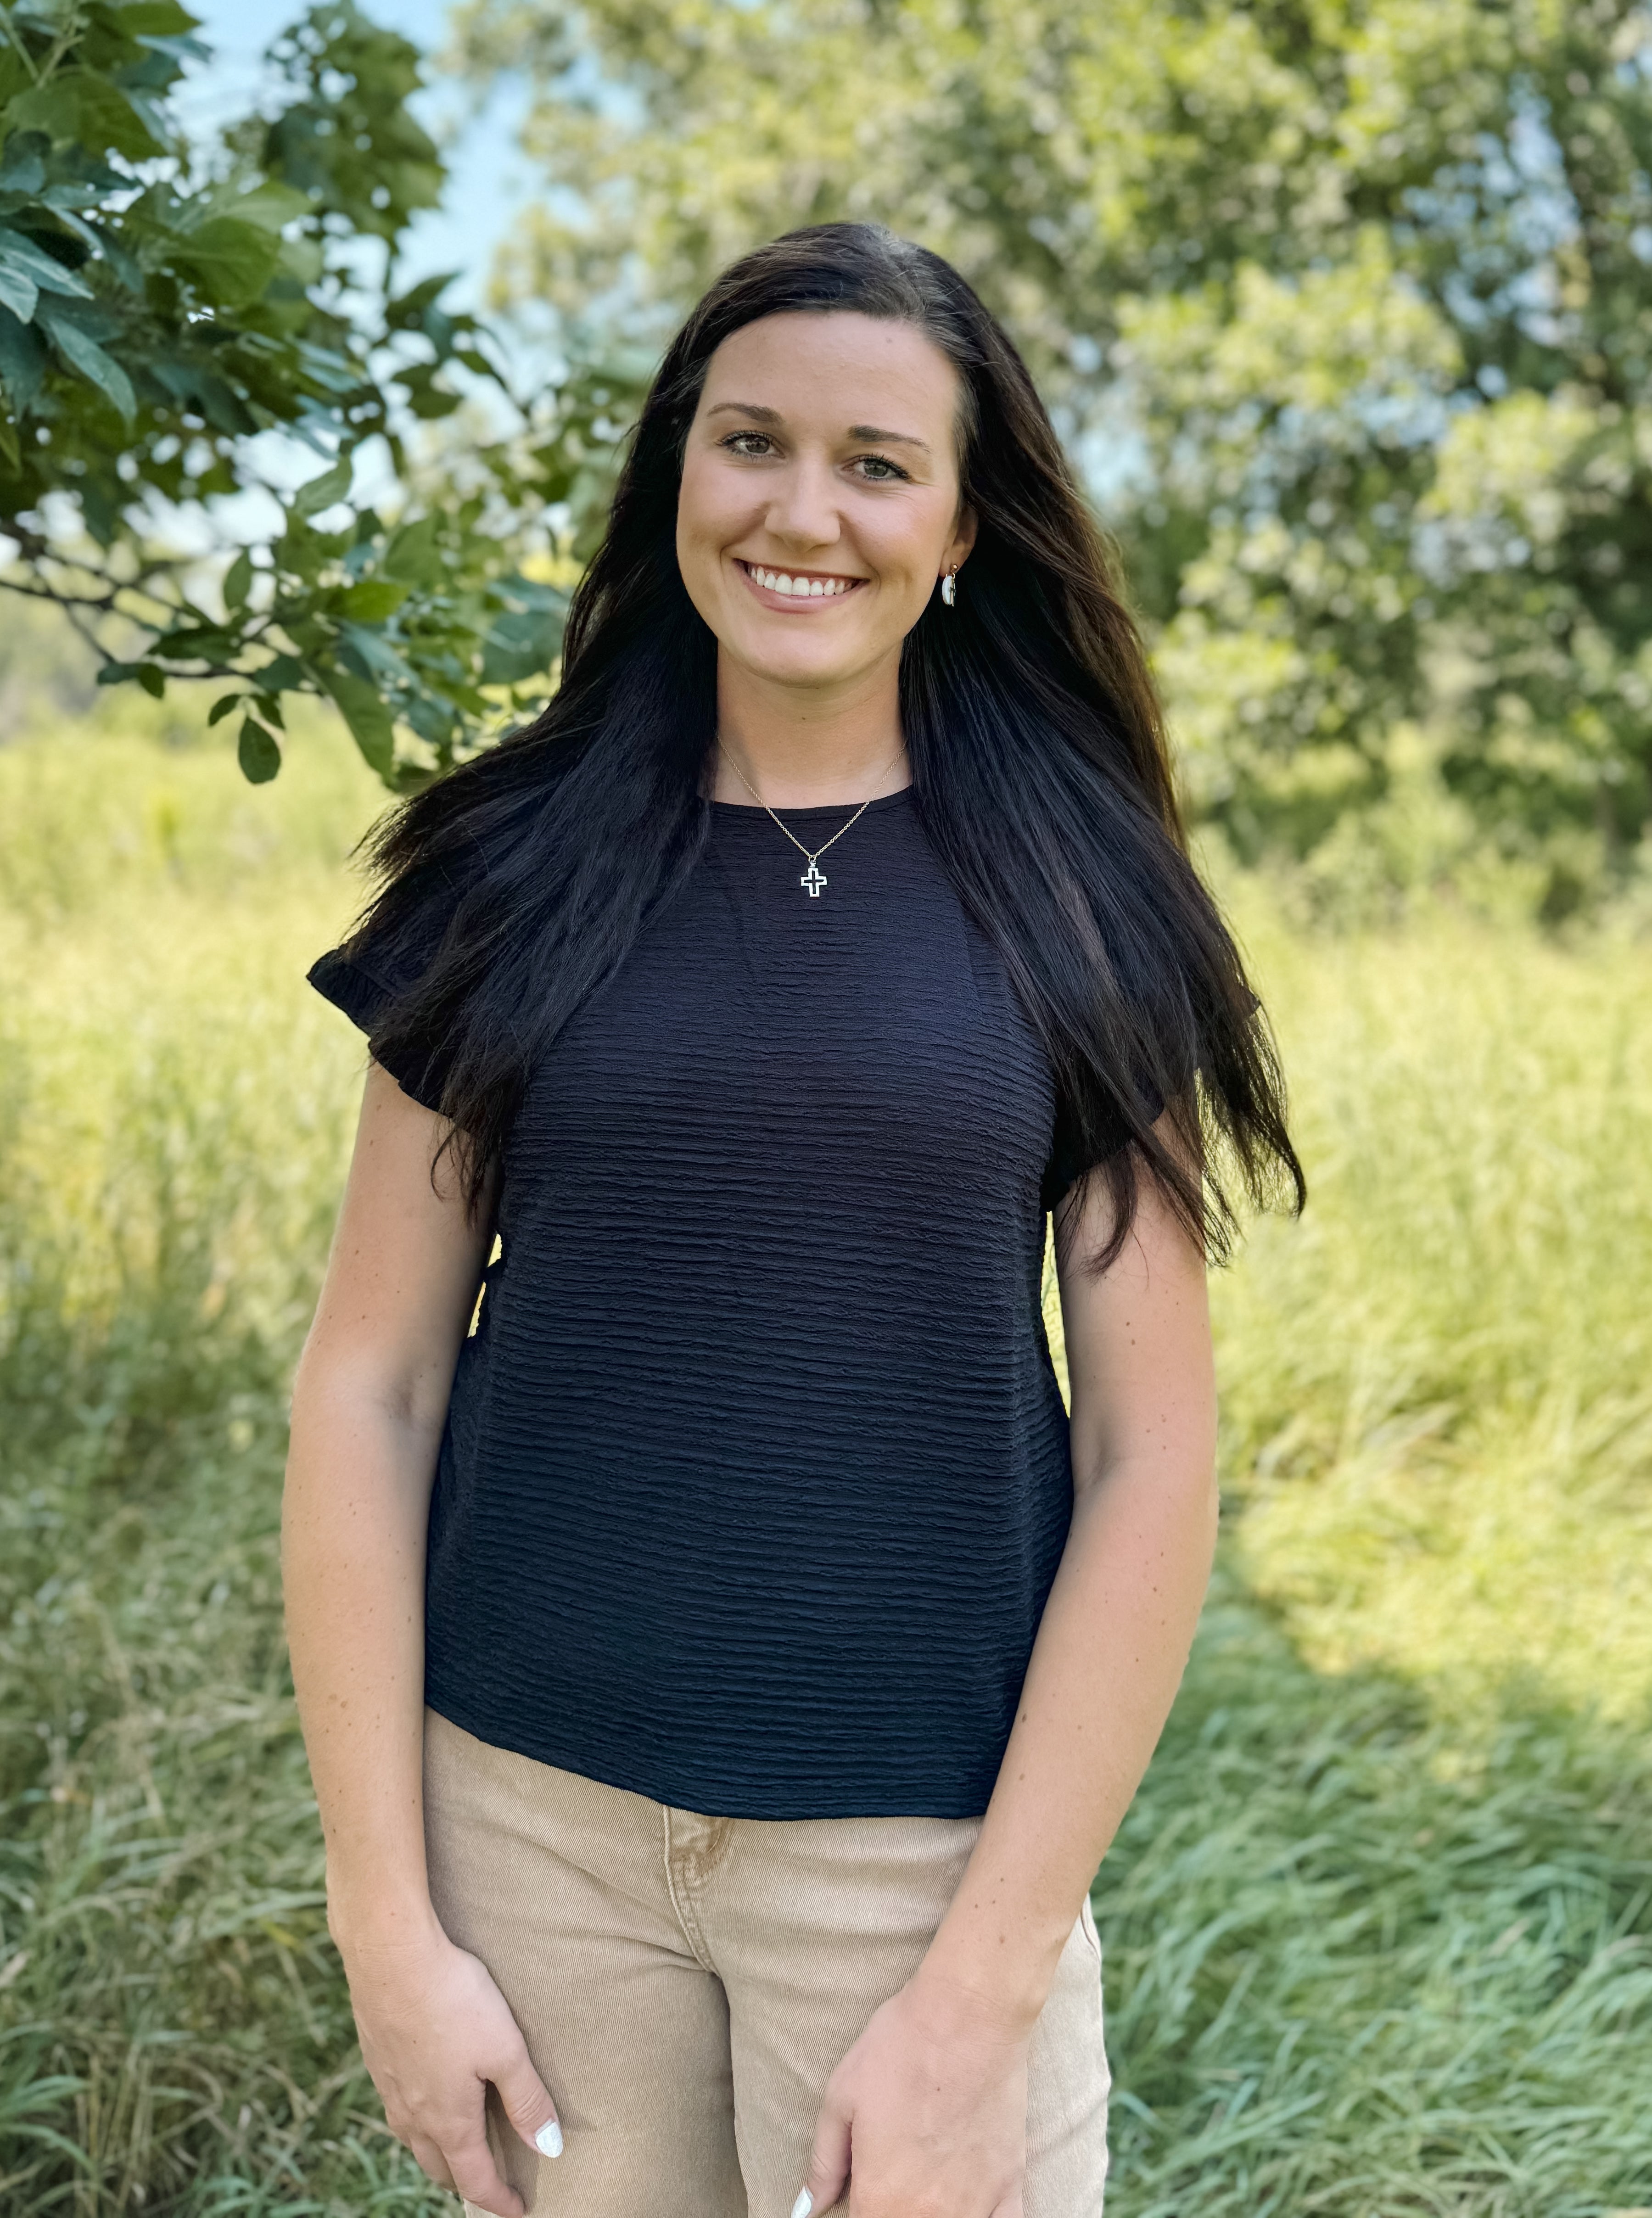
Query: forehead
[(837, 366)]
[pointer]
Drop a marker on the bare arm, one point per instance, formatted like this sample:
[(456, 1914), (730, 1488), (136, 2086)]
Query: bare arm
[(368, 1406), (1114, 1637), (942, 2066)]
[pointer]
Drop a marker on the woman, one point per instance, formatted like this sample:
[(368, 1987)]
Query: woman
[(722, 1666)]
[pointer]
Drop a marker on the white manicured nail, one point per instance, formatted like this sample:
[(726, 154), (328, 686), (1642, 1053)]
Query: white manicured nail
[(548, 2140), (803, 2205)]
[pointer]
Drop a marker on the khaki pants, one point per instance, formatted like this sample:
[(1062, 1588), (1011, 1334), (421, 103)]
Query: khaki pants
[(687, 1985)]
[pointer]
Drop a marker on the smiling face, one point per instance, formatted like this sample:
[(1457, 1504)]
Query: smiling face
[(819, 499)]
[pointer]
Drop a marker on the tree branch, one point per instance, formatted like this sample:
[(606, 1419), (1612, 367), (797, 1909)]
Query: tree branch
[(23, 54), (105, 601)]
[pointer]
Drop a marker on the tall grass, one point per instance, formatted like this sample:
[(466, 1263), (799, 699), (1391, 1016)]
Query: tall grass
[(1377, 1927), (1438, 1388), (174, 1124)]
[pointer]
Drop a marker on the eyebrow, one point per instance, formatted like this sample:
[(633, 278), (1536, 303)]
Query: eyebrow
[(887, 438), (761, 415)]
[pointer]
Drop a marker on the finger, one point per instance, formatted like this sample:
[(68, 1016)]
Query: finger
[(1011, 2206), (828, 2165), (526, 2101), (476, 2177), (431, 2159)]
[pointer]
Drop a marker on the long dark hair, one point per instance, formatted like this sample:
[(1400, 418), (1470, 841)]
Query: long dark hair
[(1040, 776)]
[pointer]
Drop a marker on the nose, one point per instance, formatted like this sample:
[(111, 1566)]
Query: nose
[(803, 503)]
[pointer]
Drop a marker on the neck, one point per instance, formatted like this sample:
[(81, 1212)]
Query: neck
[(806, 747)]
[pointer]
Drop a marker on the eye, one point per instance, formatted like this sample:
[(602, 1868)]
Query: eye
[(880, 470), (750, 445)]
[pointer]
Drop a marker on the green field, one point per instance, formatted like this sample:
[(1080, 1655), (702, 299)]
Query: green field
[(1379, 1927)]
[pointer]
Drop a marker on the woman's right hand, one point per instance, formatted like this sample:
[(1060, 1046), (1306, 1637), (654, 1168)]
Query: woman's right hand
[(435, 2030)]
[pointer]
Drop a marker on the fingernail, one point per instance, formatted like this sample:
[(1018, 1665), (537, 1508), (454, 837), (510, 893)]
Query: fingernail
[(803, 2205), (548, 2140)]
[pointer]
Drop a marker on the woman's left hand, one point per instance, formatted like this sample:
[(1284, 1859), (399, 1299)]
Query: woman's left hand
[(933, 2100)]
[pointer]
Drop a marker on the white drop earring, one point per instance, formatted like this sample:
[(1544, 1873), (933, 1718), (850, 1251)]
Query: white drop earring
[(949, 586)]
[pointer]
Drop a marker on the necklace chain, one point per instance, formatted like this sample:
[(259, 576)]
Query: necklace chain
[(813, 879)]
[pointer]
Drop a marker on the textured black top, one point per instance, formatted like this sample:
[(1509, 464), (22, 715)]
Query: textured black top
[(755, 1476)]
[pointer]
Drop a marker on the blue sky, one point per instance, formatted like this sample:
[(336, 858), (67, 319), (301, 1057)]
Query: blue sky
[(488, 179)]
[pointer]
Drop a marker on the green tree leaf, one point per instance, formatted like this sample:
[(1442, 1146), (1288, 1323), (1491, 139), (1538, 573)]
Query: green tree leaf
[(155, 19), (372, 726), (22, 164), (522, 645), (87, 109), (333, 485), (19, 252), (238, 581), (85, 354), (373, 599), (18, 292), (258, 754), (413, 555), (232, 261)]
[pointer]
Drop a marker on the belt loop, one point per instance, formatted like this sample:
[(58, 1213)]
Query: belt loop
[(687, 1923)]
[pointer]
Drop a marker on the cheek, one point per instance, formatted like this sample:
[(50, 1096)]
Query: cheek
[(693, 529), (907, 543), (709, 510)]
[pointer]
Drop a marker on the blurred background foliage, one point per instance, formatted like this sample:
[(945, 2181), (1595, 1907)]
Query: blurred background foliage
[(198, 341), (1344, 303), (1344, 308)]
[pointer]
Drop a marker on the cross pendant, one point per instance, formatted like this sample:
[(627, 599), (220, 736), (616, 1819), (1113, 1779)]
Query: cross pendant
[(813, 878)]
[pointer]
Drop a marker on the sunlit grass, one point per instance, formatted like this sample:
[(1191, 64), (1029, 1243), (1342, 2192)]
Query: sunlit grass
[(1377, 1926), (1438, 1387)]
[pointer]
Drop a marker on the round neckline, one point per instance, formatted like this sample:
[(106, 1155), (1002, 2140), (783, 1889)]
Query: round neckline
[(827, 809)]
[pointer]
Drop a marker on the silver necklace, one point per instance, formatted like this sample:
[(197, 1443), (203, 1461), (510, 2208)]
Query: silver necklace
[(813, 880)]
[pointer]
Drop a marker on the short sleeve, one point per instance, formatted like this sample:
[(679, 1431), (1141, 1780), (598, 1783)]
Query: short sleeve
[(367, 994), (1069, 1157), (1074, 1151)]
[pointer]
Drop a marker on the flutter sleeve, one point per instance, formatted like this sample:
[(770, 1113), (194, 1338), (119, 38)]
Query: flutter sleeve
[(1076, 1150), (369, 977)]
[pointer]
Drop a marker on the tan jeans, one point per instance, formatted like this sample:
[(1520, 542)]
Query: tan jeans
[(687, 1985)]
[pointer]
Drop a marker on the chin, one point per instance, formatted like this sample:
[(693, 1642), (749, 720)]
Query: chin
[(801, 670), (795, 665)]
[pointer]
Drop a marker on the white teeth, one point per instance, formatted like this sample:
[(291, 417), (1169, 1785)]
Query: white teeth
[(800, 589)]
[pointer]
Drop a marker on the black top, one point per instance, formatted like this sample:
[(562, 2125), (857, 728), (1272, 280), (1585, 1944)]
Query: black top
[(755, 1476)]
